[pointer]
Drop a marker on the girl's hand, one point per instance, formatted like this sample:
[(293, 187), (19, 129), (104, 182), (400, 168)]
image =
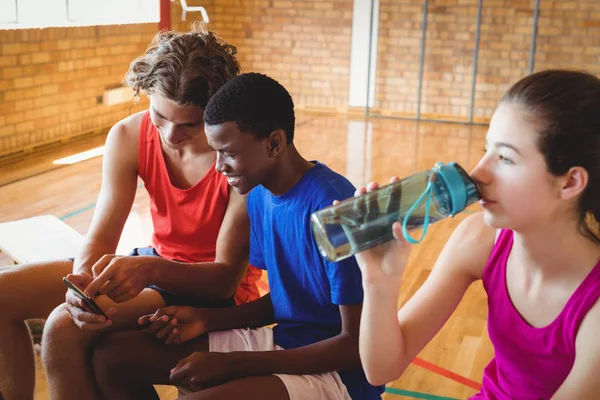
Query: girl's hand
[(384, 264)]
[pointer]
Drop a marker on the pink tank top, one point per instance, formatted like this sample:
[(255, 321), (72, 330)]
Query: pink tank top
[(530, 363)]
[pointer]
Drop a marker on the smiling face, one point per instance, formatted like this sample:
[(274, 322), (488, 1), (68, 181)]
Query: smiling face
[(246, 160), (177, 125), (513, 178)]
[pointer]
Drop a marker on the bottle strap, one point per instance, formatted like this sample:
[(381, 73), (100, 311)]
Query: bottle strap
[(425, 195)]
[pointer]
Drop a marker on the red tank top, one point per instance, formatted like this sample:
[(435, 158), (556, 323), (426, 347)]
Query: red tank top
[(186, 221)]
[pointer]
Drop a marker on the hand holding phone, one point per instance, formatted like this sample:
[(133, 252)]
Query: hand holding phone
[(88, 301)]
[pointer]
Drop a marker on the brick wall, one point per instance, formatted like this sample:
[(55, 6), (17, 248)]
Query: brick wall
[(506, 28), (49, 79), (568, 37), (305, 44)]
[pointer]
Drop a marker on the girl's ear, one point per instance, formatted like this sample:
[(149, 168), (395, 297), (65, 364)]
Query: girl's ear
[(574, 183)]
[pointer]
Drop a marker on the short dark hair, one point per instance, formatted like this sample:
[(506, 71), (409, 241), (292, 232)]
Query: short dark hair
[(187, 68), (566, 107), (256, 103)]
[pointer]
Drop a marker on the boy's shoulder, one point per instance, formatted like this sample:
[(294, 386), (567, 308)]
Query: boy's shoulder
[(319, 187), (326, 184)]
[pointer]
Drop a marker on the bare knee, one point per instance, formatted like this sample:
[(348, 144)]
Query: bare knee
[(61, 338), (115, 360), (31, 291), (105, 361), (9, 298)]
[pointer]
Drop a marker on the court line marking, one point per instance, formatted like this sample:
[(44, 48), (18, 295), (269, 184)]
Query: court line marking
[(447, 373), (416, 395), (89, 207)]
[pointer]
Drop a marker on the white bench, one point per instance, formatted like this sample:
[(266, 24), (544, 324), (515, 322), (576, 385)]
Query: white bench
[(42, 238)]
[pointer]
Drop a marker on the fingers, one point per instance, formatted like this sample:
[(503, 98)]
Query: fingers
[(93, 288), (174, 337), (372, 200), (372, 186), (360, 191), (81, 280), (87, 321), (170, 311), (179, 372), (166, 330), (397, 230), (368, 207), (159, 324), (149, 318), (108, 287), (102, 263), (360, 208), (167, 312), (394, 202), (144, 319), (74, 301), (104, 270)]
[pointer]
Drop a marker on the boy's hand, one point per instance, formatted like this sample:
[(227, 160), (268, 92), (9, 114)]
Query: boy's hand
[(177, 324), (120, 278), (203, 370), (84, 318)]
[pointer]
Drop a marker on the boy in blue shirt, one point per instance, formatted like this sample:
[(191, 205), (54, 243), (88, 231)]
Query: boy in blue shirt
[(312, 352)]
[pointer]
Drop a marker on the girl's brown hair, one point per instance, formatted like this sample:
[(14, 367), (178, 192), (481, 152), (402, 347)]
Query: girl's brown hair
[(566, 106)]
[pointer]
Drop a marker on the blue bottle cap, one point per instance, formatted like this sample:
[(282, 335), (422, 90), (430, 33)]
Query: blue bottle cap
[(461, 189)]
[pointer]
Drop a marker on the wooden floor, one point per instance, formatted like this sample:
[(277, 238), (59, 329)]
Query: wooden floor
[(449, 367)]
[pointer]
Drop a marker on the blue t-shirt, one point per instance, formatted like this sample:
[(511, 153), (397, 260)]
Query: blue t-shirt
[(306, 289)]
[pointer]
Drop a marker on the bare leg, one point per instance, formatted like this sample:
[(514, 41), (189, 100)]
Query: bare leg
[(66, 349), (251, 388), (27, 291), (127, 364)]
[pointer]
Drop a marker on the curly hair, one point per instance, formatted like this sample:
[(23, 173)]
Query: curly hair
[(256, 103), (187, 68)]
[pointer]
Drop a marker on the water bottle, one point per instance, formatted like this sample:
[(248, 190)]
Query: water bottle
[(417, 201)]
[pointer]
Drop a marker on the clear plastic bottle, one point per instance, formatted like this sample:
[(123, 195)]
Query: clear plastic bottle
[(416, 201)]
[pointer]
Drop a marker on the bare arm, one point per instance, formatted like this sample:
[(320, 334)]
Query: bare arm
[(119, 181), (334, 354), (583, 381), (387, 347), (178, 324), (249, 315), (122, 278), (204, 369), (218, 279)]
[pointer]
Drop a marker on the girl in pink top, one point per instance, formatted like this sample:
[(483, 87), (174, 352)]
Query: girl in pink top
[(536, 246)]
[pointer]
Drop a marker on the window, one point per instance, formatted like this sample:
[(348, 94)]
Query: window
[(17, 14), (8, 11)]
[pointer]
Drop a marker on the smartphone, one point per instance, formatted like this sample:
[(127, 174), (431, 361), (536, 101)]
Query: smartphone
[(87, 300)]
